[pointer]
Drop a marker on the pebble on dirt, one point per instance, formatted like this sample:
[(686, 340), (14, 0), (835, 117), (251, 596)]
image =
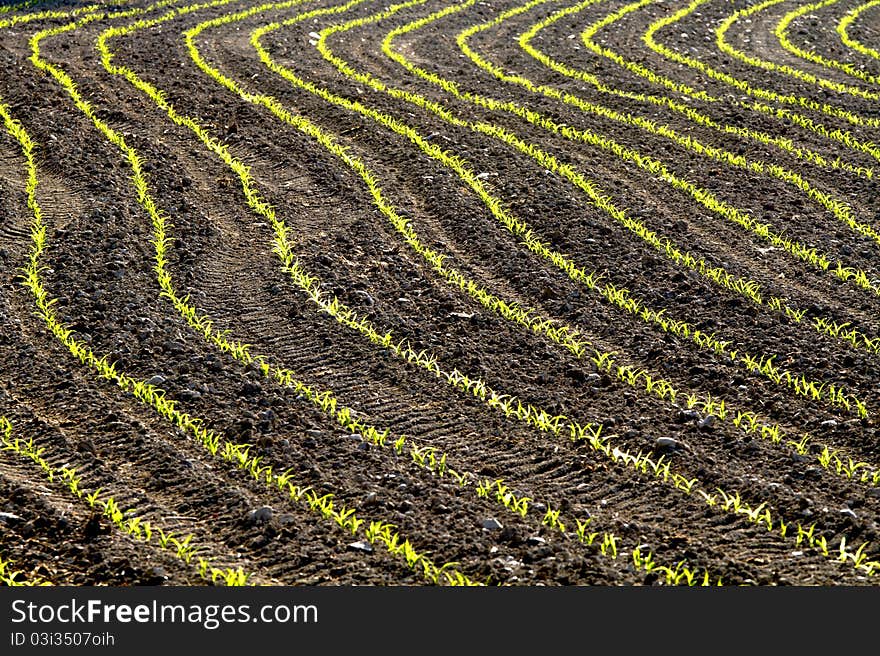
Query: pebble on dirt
[(668, 443), (260, 515)]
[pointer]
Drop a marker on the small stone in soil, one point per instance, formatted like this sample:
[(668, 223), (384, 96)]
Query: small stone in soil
[(251, 388), (259, 542), (829, 423), (361, 545), (9, 517), (535, 540), (666, 443), (707, 422), (94, 528), (261, 514), (848, 512), (156, 380), (491, 524)]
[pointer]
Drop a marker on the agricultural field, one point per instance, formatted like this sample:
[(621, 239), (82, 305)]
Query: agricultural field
[(440, 292)]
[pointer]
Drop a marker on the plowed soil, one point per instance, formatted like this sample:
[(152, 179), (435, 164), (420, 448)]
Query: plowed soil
[(99, 264)]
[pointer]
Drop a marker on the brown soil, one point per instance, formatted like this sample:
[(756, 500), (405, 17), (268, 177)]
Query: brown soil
[(99, 265)]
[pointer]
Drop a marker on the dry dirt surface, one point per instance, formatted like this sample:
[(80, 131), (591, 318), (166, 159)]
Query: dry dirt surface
[(440, 293)]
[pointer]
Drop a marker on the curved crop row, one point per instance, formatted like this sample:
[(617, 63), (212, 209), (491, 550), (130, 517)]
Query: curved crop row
[(781, 114), (784, 69), (549, 162), (643, 472), (27, 4), (796, 249), (536, 417), (839, 209), (847, 21), (782, 33), (726, 501), (640, 461), (639, 379), (748, 289), (128, 522), (617, 296), (739, 83), (424, 456), (697, 117), (237, 455)]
